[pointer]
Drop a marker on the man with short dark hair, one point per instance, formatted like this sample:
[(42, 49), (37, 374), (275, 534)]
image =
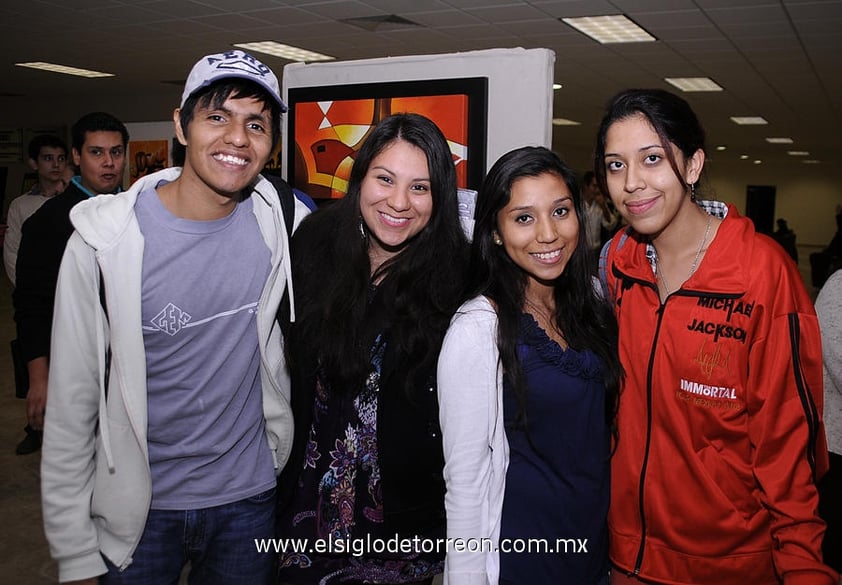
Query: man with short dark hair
[(48, 158), (166, 453), (99, 143)]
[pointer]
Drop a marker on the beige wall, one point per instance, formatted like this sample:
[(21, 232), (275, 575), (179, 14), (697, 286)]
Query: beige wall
[(806, 195)]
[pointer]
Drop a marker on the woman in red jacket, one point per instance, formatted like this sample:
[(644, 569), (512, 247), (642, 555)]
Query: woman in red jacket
[(720, 428)]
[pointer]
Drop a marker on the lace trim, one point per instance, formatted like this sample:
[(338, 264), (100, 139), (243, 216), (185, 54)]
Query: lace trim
[(581, 364)]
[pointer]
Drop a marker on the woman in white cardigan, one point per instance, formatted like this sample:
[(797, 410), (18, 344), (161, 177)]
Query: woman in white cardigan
[(528, 381)]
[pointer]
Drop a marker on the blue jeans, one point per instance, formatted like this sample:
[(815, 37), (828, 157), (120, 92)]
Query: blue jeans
[(218, 543)]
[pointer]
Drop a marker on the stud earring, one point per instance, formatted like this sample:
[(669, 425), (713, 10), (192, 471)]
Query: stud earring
[(497, 240)]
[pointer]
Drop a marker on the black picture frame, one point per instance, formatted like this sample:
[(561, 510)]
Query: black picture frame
[(474, 88)]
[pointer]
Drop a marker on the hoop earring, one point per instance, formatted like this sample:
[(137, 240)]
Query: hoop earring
[(362, 229)]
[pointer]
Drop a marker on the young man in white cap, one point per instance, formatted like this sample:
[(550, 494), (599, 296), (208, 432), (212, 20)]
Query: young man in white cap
[(168, 415)]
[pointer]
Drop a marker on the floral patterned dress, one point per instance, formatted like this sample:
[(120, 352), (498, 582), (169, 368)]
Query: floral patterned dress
[(338, 498)]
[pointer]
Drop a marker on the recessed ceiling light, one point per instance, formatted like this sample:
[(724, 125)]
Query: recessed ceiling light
[(749, 120), (557, 86), (610, 29), (54, 68), (565, 122), (721, 147), (284, 51), (811, 162), (780, 140), (798, 153), (743, 157), (689, 84), (758, 161)]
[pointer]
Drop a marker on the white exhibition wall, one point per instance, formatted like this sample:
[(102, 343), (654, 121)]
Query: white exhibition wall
[(520, 94)]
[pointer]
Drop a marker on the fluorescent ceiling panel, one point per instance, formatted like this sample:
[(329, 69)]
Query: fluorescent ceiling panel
[(284, 51), (55, 68), (693, 84), (749, 120), (610, 29)]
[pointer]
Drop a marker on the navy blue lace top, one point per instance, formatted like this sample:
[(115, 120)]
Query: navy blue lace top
[(557, 483)]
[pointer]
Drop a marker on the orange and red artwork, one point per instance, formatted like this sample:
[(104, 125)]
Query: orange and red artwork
[(328, 135), (146, 157)]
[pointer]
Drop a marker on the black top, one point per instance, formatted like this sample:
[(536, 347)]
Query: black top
[(43, 239), (408, 433)]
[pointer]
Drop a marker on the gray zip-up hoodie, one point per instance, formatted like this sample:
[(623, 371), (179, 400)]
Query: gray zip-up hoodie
[(95, 477)]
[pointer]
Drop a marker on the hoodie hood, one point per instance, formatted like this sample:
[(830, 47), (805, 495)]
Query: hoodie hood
[(101, 220)]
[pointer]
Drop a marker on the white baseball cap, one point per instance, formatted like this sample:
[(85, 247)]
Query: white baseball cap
[(234, 63)]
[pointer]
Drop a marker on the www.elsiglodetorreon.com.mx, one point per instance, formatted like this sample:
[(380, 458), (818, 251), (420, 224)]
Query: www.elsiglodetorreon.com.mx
[(359, 547)]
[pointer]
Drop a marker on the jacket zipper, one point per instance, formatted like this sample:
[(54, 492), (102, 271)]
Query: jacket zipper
[(650, 369), (626, 282), (641, 486)]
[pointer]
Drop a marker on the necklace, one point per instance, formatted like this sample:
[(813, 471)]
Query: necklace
[(543, 313), (693, 266), (549, 326)]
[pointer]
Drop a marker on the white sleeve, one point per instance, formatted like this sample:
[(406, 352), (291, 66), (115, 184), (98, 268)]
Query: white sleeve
[(301, 211), (829, 312), (73, 396), (11, 241), (469, 386)]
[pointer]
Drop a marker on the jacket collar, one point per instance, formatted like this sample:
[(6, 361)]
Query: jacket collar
[(723, 270)]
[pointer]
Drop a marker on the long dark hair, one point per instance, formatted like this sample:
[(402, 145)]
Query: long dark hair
[(582, 315), (419, 290), (671, 117)]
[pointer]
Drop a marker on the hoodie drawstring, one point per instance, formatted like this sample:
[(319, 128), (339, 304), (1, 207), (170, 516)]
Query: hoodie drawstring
[(101, 344)]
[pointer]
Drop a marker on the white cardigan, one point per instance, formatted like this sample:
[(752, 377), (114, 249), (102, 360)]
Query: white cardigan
[(829, 311), (476, 452)]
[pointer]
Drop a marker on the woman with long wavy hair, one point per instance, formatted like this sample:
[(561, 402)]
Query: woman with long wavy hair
[(377, 277)]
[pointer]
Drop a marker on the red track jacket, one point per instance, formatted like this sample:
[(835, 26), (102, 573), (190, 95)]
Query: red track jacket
[(721, 438)]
